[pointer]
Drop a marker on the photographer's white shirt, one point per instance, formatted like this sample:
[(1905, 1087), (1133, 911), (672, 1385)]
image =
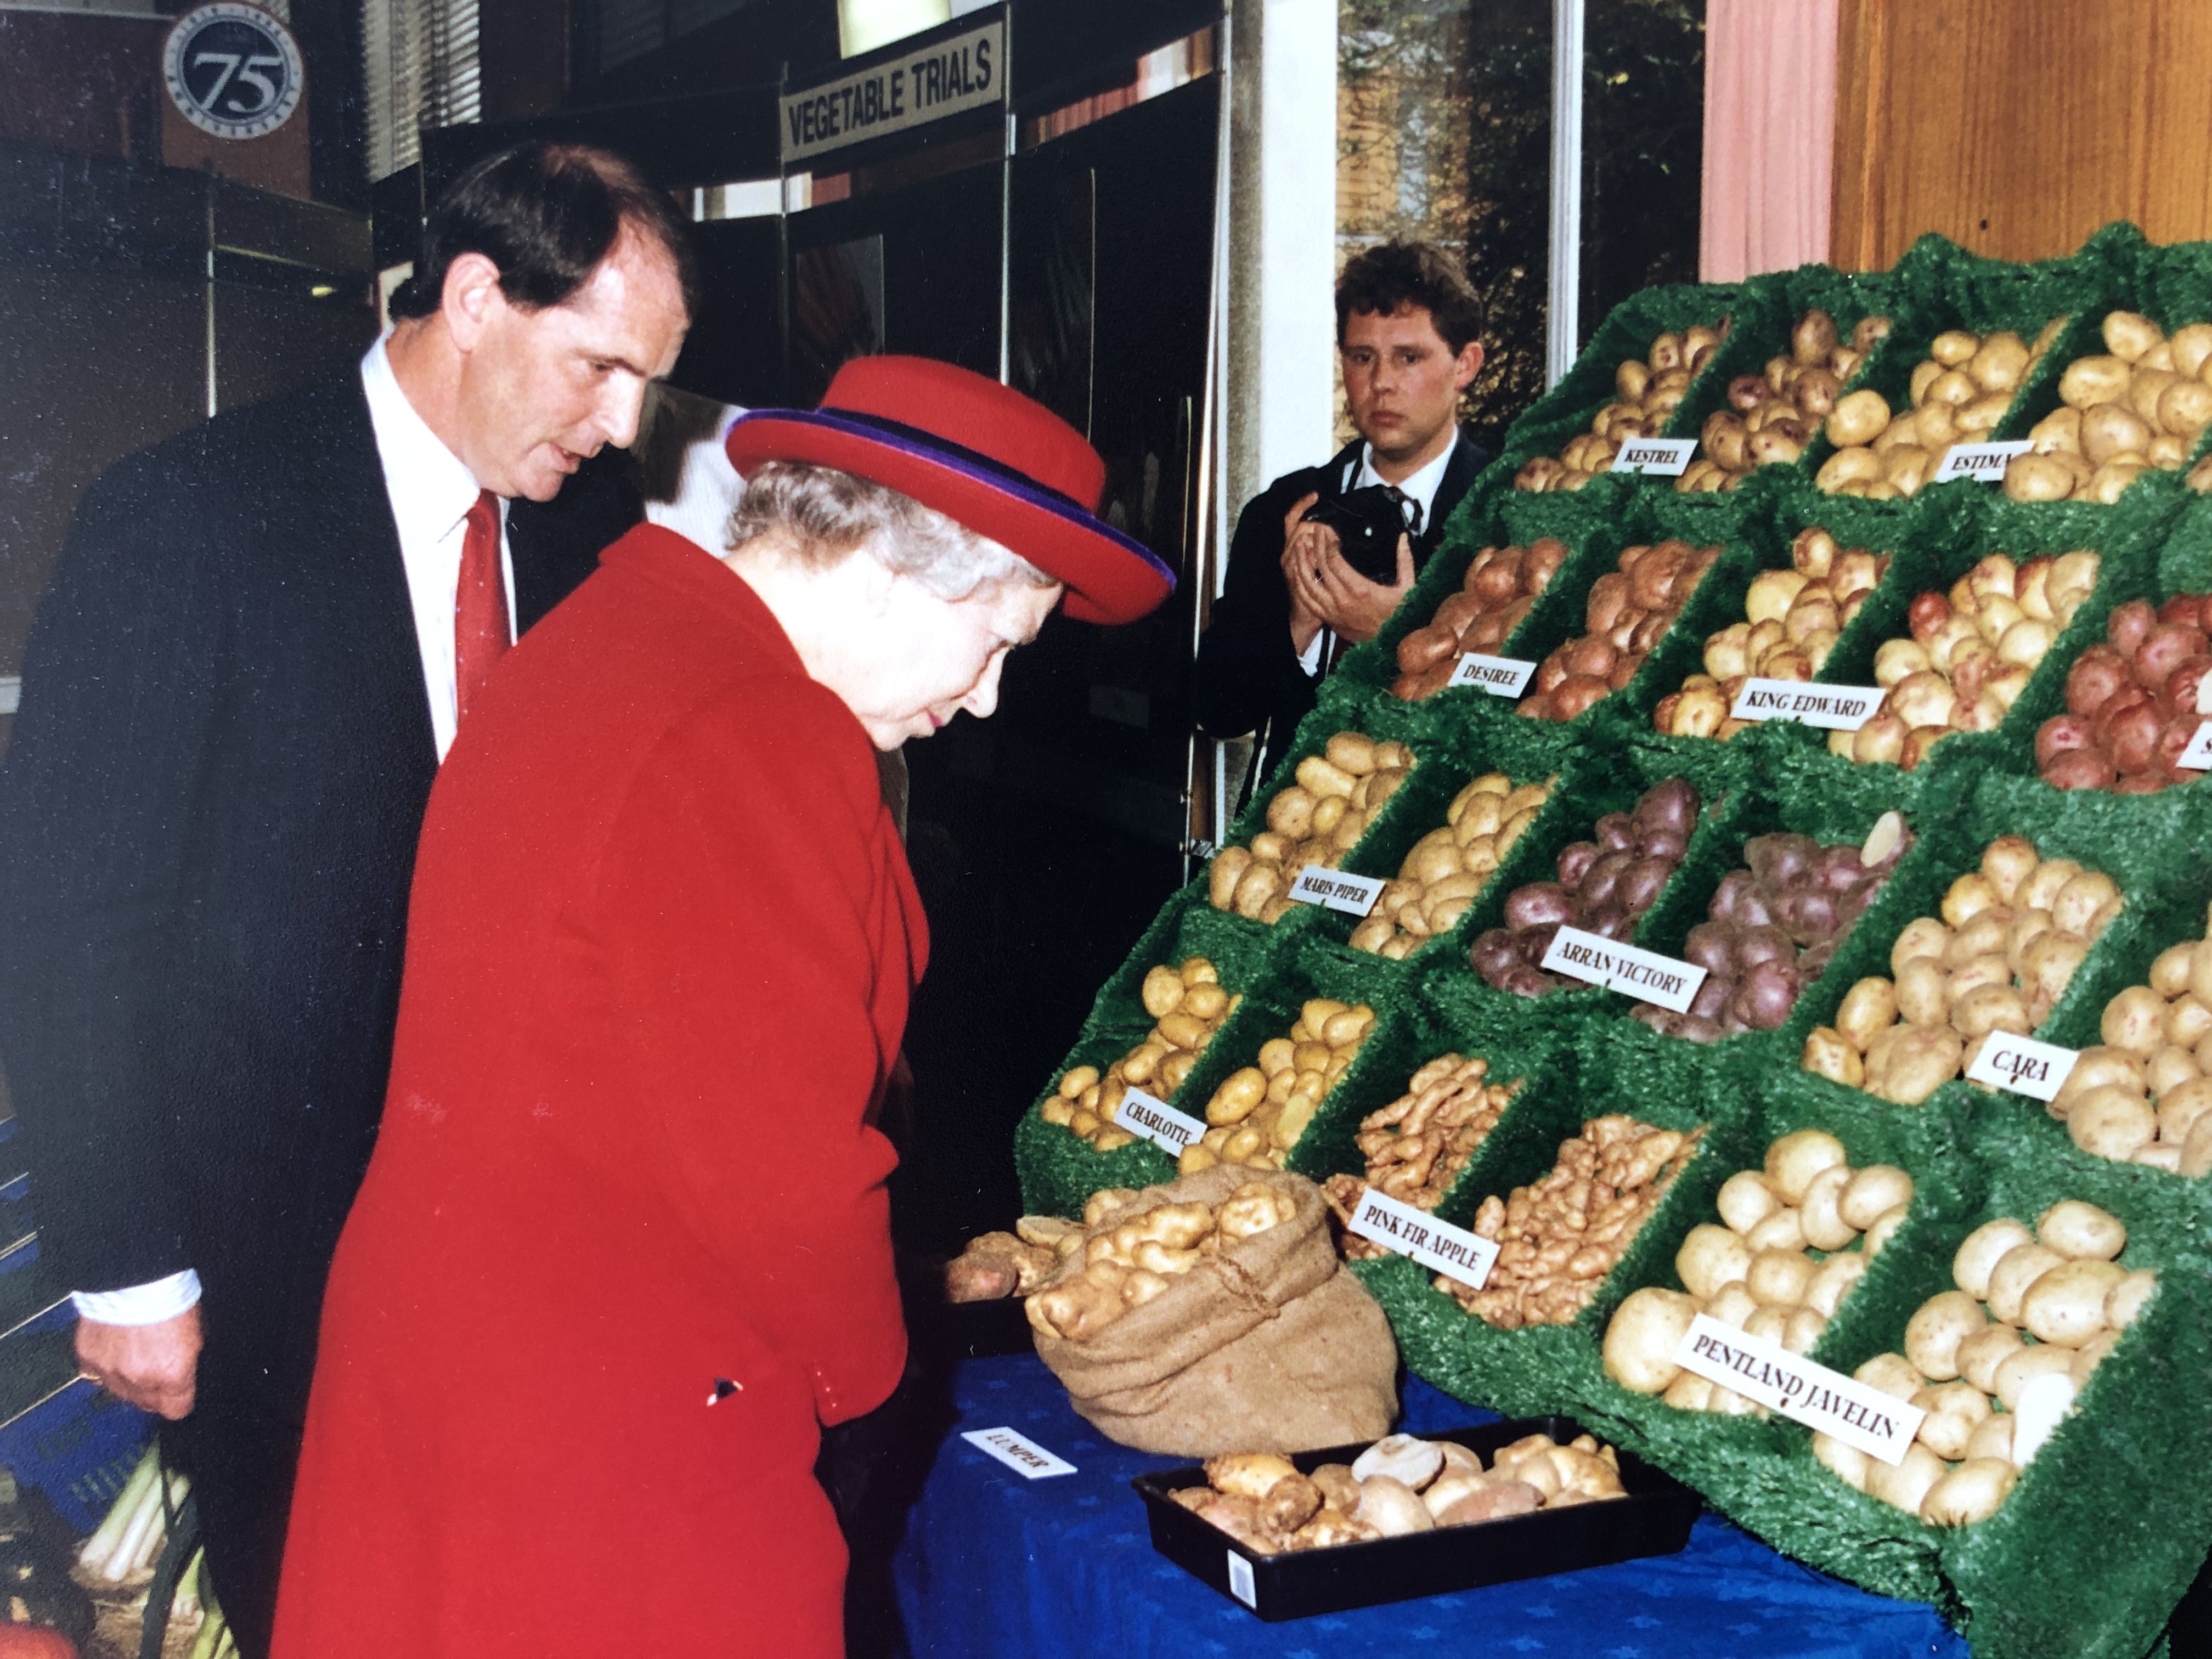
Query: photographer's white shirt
[(1421, 488)]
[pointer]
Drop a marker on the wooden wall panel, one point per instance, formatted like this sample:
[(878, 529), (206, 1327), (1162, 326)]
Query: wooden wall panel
[(2017, 127)]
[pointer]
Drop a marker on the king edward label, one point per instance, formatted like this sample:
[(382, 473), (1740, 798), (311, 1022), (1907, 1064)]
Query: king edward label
[(1157, 1122), (1353, 895), (1452, 1251), (1984, 461), (1657, 458), (1879, 1424), (1502, 677), (1644, 975), (1831, 707), (2023, 1065), (1018, 1453), (967, 71)]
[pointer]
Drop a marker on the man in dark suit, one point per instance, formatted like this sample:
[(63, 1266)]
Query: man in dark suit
[(1405, 320), (256, 646)]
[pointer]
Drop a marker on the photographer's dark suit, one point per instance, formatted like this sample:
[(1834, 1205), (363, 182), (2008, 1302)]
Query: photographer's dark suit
[(207, 813), (1247, 678)]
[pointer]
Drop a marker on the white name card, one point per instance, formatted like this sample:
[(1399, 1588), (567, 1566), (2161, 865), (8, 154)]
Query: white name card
[(1502, 677), (1658, 458), (1416, 1234), (1353, 895), (1879, 1424), (1018, 1453), (2197, 757), (2023, 1065), (1644, 975), (1157, 1122), (1986, 462), (1831, 707)]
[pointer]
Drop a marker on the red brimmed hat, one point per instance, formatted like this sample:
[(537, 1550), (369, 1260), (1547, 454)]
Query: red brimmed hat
[(983, 454)]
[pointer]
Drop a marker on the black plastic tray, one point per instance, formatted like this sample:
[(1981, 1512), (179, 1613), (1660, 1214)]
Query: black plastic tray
[(1654, 1519)]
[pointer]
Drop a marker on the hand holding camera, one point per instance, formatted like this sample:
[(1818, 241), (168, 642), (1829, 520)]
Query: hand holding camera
[(1347, 560)]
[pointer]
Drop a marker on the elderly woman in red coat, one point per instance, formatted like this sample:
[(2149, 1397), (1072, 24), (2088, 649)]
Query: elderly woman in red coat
[(624, 1244)]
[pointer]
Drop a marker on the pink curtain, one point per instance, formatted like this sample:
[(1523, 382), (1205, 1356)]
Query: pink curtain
[(1770, 134)]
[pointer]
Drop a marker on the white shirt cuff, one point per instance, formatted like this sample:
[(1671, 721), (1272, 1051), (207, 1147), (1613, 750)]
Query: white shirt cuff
[(1310, 658), (140, 1304)]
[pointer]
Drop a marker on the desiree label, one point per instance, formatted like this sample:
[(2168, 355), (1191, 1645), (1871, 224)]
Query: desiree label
[(2023, 1065), (1657, 458), (1353, 895), (1831, 707), (1018, 1453), (1644, 975), (1157, 1122), (1452, 1251), (1986, 462), (1879, 1424), (1502, 677), (2197, 757)]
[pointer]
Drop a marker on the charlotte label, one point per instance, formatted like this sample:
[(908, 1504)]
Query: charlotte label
[(2023, 1065), (1879, 1424), (1157, 1122), (1437, 1245), (2197, 757), (1986, 462), (1502, 677), (1831, 707), (1644, 975), (1018, 1453), (1657, 458), (1353, 895)]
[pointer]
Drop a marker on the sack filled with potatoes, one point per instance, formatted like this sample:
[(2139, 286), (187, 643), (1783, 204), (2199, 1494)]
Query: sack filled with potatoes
[(1646, 392), (1958, 393), (2142, 402)]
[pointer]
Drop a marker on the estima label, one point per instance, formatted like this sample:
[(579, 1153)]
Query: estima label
[(1353, 895), (2023, 1065), (2197, 756), (1986, 462), (1502, 677), (1657, 458), (1879, 1424), (1831, 707), (1018, 1453), (1452, 1251), (1157, 1122), (1644, 975)]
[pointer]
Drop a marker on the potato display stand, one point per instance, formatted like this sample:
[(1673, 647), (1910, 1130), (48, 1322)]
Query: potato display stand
[(2105, 1528)]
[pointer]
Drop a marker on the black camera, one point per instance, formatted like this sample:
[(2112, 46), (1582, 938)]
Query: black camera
[(1368, 523)]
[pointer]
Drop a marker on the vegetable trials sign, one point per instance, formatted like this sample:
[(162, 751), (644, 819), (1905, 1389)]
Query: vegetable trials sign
[(966, 72)]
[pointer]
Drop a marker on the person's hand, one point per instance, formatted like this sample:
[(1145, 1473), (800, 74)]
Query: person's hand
[(1326, 588), (1304, 545), (153, 1367)]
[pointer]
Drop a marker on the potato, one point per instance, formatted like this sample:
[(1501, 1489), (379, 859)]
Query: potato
[(1794, 1159), (1992, 1437), (1973, 1491), (2081, 1232), (1871, 1191), (1868, 1007), (1923, 990), (1710, 1257), (1884, 1229), (2015, 1271), (1778, 1279), (1745, 1199), (1824, 1228), (1892, 1374), (1980, 1252), (1641, 1340), (1832, 1280), (2019, 1370), (1830, 1054), (2127, 1298), (1925, 936), (1925, 1059), (1857, 418), (1906, 1486), (2112, 1123), (1734, 1306), (1955, 1411), (1980, 1354), (2066, 1306), (1847, 1462), (1933, 1334)]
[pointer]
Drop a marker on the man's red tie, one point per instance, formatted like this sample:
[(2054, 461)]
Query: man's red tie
[(481, 633)]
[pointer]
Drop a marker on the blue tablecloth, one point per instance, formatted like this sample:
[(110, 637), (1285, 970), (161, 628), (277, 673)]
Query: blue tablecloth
[(995, 1566)]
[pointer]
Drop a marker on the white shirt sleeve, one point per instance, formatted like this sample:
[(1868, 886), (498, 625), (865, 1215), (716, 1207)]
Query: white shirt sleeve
[(140, 1304), (1310, 659)]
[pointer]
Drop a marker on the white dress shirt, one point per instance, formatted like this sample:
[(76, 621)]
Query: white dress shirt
[(1421, 488), (431, 493)]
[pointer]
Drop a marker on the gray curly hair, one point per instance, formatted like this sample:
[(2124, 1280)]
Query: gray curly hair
[(827, 513)]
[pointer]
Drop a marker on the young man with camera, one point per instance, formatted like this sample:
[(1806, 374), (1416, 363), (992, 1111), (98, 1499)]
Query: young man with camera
[(1322, 556)]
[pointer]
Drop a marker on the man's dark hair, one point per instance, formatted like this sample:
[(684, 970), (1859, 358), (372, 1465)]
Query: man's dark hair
[(545, 214), (1422, 274)]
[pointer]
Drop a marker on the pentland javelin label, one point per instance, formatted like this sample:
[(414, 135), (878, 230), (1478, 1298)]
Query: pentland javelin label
[(1831, 707), (1452, 1251), (1353, 895), (2023, 1065), (1986, 462), (1657, 458), (1879, 1424), (1644, 975), (1502, 677), (1157, 1122)]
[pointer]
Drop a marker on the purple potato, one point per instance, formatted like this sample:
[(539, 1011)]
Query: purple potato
[(1696, 1027), (1840, 868), (1608, 921), (1778, 861), (1810, 916), (1529, 982), (1659, 1019), (1754, 908), (1639, 888), (1616, 832), (1539, 904), (1576, 859), (1814, 961), (1712, 996), (1669, 805), (1668, 844), (1533, 943), (1711, 946), (1730, 893), (1603, 878), (1494, 955), (1763, 999), (1767, 944)]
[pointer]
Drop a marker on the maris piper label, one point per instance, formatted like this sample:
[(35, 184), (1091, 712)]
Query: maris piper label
[(1657, 458), (1984, 461), (1452, 1251), (1502, 677), (1353, 895), (1157, 1122), (1644, 975), (2023, 1065), (1831, 707), (1018, 1453), (1879, 1424)]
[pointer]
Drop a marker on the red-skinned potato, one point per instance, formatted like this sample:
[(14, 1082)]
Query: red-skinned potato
[(1929, 613), (2100, 671), (2129, 623), (2061, 734), (2132, 737)]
